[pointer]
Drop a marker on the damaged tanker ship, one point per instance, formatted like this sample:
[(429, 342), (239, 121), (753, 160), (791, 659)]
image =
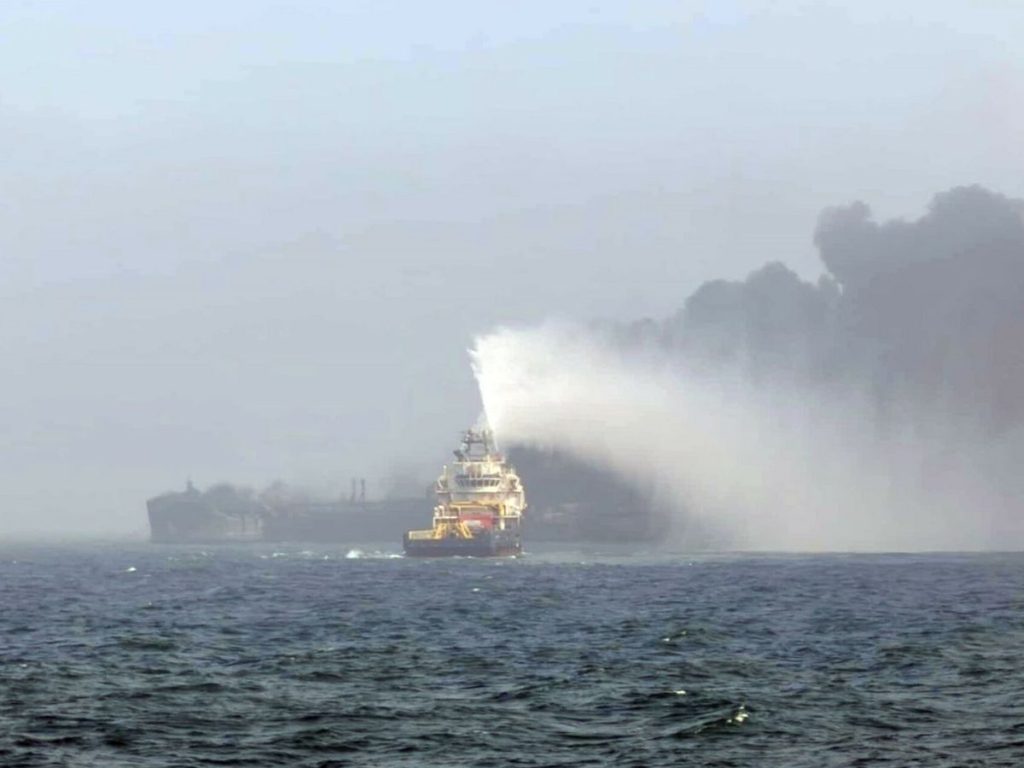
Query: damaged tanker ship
[(225, 513), (478, 508)]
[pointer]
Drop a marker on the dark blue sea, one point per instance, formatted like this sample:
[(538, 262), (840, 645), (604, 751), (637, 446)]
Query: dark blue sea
[(144, 655)]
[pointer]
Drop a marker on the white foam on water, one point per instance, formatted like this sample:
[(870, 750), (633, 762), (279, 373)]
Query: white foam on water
[(359, 554)]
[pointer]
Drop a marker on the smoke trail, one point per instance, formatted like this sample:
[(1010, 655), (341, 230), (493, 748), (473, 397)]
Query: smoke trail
[(777, 469)]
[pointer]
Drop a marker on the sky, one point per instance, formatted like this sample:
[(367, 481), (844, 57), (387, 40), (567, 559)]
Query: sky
[(250, 241)]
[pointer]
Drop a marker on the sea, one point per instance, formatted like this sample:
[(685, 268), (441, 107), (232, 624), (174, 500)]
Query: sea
[(131, 654)]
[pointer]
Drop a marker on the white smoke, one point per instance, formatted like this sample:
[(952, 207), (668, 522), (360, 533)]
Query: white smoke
[(781, 470)]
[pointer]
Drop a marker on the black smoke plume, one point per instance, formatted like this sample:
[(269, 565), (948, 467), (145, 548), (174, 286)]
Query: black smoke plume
[(914, 331)]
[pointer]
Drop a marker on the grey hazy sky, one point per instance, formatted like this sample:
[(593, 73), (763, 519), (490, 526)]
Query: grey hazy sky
[(250, 240)]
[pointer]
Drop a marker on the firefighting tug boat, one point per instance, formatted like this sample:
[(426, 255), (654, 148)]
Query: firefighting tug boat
[(480, 505)]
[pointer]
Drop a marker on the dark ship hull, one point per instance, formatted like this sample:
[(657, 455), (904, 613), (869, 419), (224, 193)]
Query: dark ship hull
[(192, 518), (348, 522), (483, 544), (225, 514)]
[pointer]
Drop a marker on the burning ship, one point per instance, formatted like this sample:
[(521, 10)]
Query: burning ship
[(480, 505)]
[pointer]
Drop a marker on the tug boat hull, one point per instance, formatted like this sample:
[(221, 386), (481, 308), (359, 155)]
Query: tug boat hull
[(485, 544)]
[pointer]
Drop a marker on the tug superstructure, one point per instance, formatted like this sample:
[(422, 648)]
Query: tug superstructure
[(480, 505)]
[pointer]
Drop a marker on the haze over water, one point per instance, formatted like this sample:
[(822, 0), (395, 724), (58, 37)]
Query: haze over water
[(250, 241)]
